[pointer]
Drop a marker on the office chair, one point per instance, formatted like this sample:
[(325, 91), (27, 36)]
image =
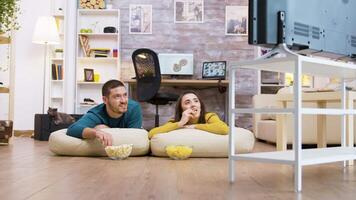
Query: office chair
[(148, 78)]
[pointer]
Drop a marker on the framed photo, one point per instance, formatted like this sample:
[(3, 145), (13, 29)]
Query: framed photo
[(89, 75), (176, 63), (236, 20), (188, 11), (214, 70), (140, 19)]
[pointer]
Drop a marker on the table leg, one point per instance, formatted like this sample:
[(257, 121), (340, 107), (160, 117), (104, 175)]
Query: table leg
[(350, 127), (281, 137), (321, 126)]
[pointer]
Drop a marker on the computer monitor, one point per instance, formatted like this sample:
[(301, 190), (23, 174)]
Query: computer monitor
[(176, 64)]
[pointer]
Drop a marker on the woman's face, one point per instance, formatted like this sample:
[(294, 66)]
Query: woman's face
[(191, 101)]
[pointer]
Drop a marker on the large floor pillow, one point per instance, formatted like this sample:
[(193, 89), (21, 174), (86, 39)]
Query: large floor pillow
[(204, 144), (62, 144)]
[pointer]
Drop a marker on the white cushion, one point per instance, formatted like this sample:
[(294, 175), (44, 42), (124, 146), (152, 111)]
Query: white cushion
[(62, 144), (204, 144)]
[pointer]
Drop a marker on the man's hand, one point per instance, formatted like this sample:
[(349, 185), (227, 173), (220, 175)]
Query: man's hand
[(104, 138)]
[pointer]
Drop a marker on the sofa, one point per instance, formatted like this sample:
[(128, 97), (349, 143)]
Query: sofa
[(264, 125)]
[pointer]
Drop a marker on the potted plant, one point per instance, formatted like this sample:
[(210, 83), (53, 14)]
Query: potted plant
[(8, 15), (58, 53)]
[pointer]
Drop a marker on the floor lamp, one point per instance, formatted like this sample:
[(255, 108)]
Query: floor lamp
[(46, 33)]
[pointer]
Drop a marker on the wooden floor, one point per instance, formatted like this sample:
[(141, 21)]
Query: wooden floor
[(29, 171)]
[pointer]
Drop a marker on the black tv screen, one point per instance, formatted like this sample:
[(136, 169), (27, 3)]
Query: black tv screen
[(321, 25)]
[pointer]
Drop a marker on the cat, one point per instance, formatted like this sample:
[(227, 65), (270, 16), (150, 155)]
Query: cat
[(60, 118)]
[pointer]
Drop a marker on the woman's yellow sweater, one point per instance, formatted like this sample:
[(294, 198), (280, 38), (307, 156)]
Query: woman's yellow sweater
[(213, 124)]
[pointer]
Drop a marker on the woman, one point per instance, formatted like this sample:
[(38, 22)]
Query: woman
[(190, 113)]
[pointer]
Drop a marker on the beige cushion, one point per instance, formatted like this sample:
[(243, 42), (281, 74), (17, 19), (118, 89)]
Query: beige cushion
[(62, 144), (204, 144)]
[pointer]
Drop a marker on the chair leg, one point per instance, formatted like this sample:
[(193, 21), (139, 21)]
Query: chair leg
[(156, 117)]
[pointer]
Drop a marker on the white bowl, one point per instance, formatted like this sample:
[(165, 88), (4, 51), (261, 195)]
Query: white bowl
[(119, 152)]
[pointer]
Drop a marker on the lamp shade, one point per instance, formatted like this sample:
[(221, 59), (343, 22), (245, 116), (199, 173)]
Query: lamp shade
[(45, 31)]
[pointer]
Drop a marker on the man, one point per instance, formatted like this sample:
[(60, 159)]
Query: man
[(117, 111)]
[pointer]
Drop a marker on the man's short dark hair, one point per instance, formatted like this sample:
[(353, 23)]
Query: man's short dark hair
[(105, 91)]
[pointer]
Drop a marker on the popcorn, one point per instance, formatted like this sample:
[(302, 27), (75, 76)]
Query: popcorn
[(119, 152), (179, 152)]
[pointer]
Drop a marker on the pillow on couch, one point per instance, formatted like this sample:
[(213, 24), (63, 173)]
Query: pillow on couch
[(62, 144), (204, 144)]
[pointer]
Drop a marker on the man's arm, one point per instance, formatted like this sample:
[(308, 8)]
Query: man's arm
[(88, 121)]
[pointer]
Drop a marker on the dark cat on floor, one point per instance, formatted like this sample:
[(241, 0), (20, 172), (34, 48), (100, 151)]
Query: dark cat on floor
[(60, 118)]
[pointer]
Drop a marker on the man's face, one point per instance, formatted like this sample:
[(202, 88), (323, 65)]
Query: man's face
[(117, 100)]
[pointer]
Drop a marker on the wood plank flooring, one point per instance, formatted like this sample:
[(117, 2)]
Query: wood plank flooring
[(28, 170)]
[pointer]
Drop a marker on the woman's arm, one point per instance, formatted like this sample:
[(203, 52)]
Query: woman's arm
[(169, 126), (213, 124)]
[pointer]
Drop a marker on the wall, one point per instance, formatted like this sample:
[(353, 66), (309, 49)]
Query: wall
[(28, 65), (207, 41)]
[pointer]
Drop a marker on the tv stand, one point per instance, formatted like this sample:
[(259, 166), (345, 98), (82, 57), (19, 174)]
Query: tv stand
[(290, 62)]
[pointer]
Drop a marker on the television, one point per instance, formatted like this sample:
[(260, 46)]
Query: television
[(176, 64), (320, 25)]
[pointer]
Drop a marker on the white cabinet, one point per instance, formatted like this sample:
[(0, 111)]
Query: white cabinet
[(98, 57), (296, 64)]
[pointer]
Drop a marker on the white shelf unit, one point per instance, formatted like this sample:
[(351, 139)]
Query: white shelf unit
[(56, 95), (297, 157), (106, 67)]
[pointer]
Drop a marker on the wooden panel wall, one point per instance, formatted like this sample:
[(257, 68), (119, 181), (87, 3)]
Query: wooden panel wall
[(207, 41)]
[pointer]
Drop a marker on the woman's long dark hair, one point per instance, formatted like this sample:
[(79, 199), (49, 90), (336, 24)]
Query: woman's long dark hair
[(179, 110)]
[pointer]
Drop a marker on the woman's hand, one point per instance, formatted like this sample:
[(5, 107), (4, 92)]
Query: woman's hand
[(186, 116)]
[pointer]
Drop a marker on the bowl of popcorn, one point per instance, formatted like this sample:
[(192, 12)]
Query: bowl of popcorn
[(179, 152), (119, 152)]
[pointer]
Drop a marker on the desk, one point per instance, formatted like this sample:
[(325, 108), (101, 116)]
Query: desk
[(187, 83), (320, 98)]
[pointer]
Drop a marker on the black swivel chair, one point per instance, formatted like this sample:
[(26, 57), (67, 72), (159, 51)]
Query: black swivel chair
[(148, 78)]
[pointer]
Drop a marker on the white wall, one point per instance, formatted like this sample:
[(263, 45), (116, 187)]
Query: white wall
[(28, 65)]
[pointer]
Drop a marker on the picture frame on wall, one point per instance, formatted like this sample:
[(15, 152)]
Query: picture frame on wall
[(88, 75), (188, 11), (140, 19), (236, 20), (214, 70)]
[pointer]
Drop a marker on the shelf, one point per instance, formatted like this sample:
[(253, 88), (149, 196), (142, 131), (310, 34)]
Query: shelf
[(57, 98), (98, 11), (57, 59), (297, 157), (87, 105), (309, 156), (99, 34), (330, 68), (57, 81), (89, 83), (91, 59), (58, 16)]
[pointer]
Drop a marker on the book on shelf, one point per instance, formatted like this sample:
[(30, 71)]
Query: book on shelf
[(57, 72), (99, 52)]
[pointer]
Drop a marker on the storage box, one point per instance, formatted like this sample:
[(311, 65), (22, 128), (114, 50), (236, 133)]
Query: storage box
[(44, 126)]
